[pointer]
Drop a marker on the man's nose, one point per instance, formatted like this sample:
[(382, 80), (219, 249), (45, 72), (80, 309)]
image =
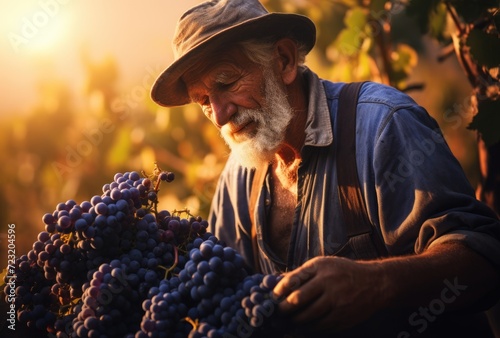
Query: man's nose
[(222, 110)]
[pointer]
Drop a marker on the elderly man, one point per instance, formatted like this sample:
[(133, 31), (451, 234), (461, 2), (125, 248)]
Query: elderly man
[(278, 200)]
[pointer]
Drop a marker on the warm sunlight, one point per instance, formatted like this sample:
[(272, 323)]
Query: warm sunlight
[(41, 27), (47, 38), (121, 214)]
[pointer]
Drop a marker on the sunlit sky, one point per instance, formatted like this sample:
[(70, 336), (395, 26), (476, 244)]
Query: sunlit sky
[(44, 39)]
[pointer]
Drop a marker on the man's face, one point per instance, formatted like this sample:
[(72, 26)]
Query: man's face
[(247, 104)]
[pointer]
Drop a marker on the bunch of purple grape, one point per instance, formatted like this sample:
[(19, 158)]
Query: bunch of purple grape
[(214, 294), (115, 266)]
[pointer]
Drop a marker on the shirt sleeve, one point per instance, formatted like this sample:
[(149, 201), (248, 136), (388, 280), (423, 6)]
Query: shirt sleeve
[(229, 218), (424, 197)]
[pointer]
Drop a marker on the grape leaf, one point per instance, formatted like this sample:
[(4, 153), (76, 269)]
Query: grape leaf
[(350, 38), (487, 121), (348, 42), (404, 59), (438, 22), (355, 19), (484, 47)]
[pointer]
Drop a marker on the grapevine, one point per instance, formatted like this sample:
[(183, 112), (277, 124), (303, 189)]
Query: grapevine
[(116, 266)]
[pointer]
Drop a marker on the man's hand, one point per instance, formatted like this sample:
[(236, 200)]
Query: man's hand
[(331, 293)]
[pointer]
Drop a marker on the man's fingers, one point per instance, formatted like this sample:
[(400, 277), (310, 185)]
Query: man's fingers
[(294, 280), (307, 295), (288, 284)]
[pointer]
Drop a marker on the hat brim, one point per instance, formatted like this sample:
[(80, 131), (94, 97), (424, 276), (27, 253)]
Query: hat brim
[(169, 89)]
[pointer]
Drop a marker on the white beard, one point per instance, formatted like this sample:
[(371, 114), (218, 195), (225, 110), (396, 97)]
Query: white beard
[(272, 119)]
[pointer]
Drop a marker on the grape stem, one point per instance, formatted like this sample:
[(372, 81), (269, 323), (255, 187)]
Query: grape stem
[(68, 238), (174, 265), (179, 212), (195, 323), (66, 309), (157, 185)]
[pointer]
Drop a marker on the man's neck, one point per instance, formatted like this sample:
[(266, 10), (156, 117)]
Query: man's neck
[(285, 166)]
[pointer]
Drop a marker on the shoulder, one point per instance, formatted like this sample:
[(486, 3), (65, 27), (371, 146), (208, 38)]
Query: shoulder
[(380, 105), (384, 105), (377, 93), (371, 92)]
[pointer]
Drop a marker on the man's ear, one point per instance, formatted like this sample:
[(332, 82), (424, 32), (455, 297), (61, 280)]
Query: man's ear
[(287, 59)]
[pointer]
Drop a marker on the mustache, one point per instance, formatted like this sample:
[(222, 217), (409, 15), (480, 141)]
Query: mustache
[(243, 117)]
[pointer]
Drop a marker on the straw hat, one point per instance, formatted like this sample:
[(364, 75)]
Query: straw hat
[(209, 26)]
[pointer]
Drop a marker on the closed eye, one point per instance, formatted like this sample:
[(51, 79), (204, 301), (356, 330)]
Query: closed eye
[(226, 80), (225, 85)]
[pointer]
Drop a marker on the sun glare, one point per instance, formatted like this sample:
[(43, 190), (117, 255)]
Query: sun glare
[(49, 40), (52, 37), (39, 27)]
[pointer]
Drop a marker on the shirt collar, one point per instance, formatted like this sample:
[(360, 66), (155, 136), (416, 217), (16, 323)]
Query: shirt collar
[(318, 126)]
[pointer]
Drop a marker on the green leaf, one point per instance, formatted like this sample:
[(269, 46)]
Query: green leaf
[(421, 11), (471, 10), (484, 48), (438, 22), (348, 42), (487, 121), (355, 19), (363, 67), (404, 59), (350, 38), (121, 149)]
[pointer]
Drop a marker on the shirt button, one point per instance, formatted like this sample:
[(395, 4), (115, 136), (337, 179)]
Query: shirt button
[(267, 202)]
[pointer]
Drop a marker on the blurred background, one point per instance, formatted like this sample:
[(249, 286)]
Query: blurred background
[(75, 106)]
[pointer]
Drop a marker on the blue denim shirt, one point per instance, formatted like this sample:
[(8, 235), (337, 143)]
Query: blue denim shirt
[(415, 190)]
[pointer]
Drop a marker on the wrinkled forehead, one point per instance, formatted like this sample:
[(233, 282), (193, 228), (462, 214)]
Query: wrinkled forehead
[(225, 57)]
